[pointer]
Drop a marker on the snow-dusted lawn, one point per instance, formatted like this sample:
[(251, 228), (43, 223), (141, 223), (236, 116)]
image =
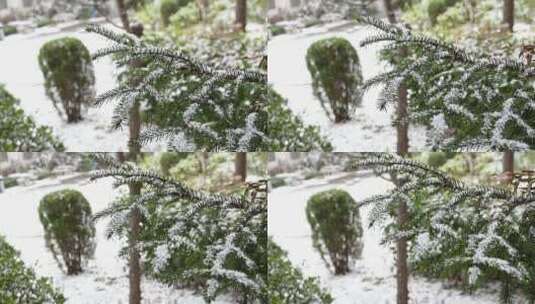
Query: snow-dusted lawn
[(373, 279), (289, 76), (105, 280), (19, 71)]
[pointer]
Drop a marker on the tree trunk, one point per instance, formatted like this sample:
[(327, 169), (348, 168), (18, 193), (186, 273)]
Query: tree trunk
[(240, 166), (134, 268), (389, 10), (509, 14), (508, 166), (203, 6), (241, 15), (123, 14), (402, 128)]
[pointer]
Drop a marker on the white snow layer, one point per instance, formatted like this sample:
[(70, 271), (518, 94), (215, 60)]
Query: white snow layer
[(106, 277), (373, 278), (289, 76)]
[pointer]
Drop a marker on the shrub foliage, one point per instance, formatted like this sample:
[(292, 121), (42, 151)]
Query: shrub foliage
[(19, 132), (336, 228), (69, 77), (69, 231), (287, 283), (334, 66), (19, 284)]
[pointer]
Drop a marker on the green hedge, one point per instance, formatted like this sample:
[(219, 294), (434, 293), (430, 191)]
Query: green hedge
[(19, 132), (287, 285), (19, 284), (69, 230), (170, 7), (334, 66), (336, 228), (287, 132), (69, 77)]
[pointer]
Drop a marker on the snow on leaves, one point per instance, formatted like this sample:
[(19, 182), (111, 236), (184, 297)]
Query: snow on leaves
[(242, 219), (473, 223), (216, 108), (486, 101)]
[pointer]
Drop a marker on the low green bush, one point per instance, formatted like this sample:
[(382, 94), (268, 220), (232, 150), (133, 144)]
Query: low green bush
[(19, 132), (170, 7), (437, 7), (277, 30), (10, 30), (287, 132), (336, 228), (288, 285), (69, 77), (42, 22), (169, 159), (277, 182), (334, 67), (69, 230), (19, 284), (10, 182)]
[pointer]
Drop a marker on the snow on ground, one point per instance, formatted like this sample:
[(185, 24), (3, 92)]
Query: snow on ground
[(19, 71), (372, 280), (105, 280), (289, 76)]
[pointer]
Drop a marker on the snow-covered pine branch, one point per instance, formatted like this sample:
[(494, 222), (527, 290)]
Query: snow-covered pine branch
[(238, 235), (469, 99), (476, 224), (220, 108)]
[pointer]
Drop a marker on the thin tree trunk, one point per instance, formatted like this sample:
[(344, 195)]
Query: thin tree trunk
[(134, 267), (402, 269), (241, 15), (123, 14), (509, 14), (240, 166), (508, 165)]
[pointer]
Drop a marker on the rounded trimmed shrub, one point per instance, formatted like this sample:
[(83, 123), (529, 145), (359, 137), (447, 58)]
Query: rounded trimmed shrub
[(169, 159), (19, 284), (436, 8), (334, 66), (69, 229), (336, 228), (69, 77), (169, 7)]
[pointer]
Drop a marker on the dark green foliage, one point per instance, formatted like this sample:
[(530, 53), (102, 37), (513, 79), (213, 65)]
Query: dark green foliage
[(192, 105), (277, 30), (334, 66), (437, 159), (10, 182), (468, 99), (19, 132), (216, 242), (436, 8), (10, 30), (44, 21), (336, 228), (287, 285), (287, 132), (69, 77), (471, 234), (169, 159), (86, 163), (277, 182), (169, 7), (69, 231), (19, 284)]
